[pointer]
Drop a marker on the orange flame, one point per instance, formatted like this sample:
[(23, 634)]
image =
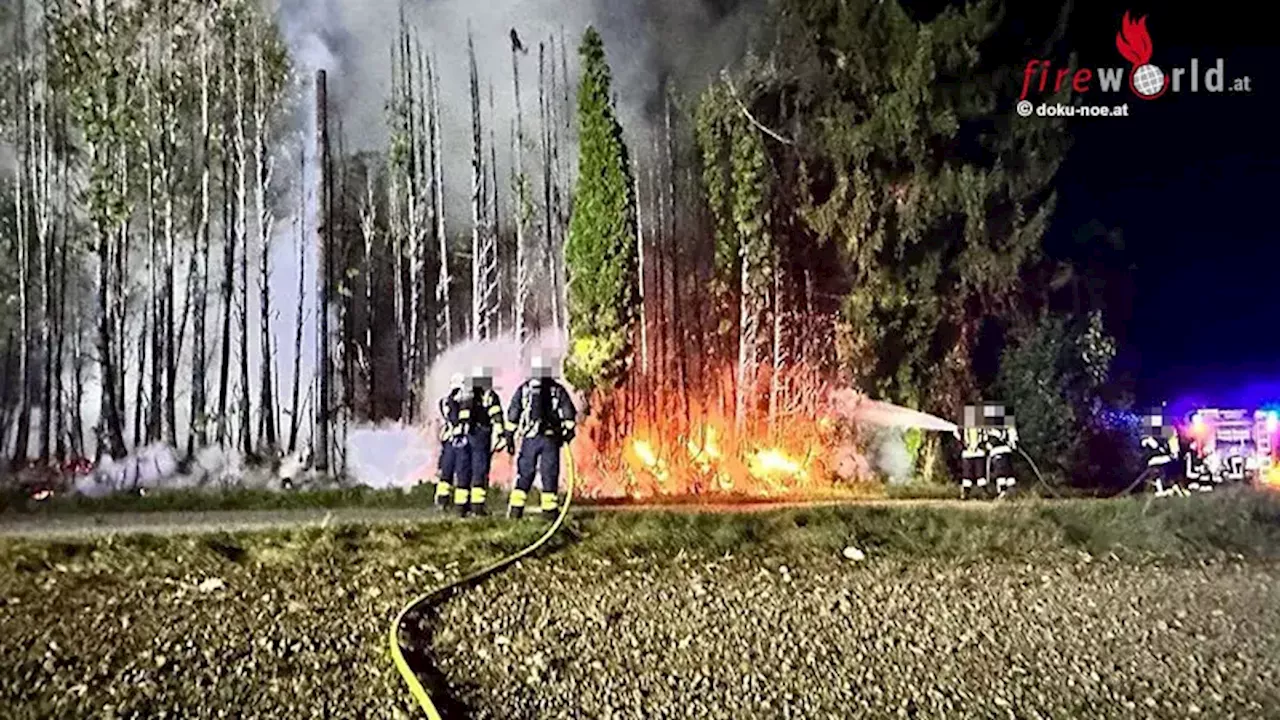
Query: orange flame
[(1133, 41), (1271, 478)]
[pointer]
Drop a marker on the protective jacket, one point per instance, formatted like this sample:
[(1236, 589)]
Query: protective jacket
[(1159, 449), (451, 414), (973, 447), (1000, 440), (541, 407)]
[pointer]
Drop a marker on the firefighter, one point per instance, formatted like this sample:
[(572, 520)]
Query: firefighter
[(973, 456), (480, 417), (543, 416), (1001, 439), (1160, 446), (451, 439)]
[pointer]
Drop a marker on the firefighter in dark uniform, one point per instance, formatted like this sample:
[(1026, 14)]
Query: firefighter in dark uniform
[(451, 440), (542, 415), (480, 416), (1002, 440), (973, 456), (1161, 450)]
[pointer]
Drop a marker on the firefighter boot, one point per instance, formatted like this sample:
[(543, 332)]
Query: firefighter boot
[(515, 506), (478, 502), (443, 493), (461, 504)]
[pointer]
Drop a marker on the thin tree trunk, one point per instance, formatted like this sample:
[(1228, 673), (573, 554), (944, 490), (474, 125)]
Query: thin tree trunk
[(242, 239), (444, 325), (325, 245), (426, 202), (60, 327), (21, 228), (677, 276), (495, 234), (548, 242), (229, 258), (41, 187), (154, 307), (368, 230), (199, 436), (775, 373), (169, 293), (413, 239), (521, 199), (295, 417), (659, 278), (478, 311), (643, 273), (262, 161)]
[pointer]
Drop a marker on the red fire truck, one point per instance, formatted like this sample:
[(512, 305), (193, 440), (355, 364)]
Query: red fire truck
[(1232, 445)]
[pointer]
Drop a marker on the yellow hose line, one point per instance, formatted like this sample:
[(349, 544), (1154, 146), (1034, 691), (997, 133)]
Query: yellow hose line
[(397, 653)]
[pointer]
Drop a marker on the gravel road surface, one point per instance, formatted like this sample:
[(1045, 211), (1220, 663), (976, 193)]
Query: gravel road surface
[(833, 638)]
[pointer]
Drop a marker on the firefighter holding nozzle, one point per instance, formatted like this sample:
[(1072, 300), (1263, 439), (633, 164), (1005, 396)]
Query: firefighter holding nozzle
[(989, 438), (1160, 448), (542, 415)]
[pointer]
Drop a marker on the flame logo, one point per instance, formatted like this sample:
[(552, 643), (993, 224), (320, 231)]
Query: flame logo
[(1133, 41)]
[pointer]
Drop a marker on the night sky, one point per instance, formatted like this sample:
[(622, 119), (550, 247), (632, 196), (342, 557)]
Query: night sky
[(1191, 181)]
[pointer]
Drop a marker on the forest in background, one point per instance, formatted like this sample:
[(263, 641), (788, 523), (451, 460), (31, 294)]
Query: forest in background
[(852, 204)]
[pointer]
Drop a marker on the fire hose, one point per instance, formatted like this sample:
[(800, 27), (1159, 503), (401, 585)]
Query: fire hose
[(416, 688)]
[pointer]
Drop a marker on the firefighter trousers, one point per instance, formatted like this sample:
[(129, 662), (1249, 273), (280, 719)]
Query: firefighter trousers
[(540, 455), (973, 472), (472, 474), (451, 452)]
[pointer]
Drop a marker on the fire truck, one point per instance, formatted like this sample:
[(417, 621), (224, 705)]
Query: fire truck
[(1232, 445)]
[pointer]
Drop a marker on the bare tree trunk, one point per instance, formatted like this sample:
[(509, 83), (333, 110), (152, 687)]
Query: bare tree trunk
[(154, 308), (242, 239), (775, 373), (521, 197), (263, 163), (396, 218), (199, 436), (169, 293), (426, 202), (41, 188), (495, 211), (413, 239), (295, 417), (548, 235), (21, 237), (6, 382), (229, 259), (60, 324), (746, 344), (659, 278), (444, 325), (556, 262), (368, 230), (642, 255), (677, 276), (325, 246), (478, 310)]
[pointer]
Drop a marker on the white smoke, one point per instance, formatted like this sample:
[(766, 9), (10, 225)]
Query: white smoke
[(399, 455), (891, 456)]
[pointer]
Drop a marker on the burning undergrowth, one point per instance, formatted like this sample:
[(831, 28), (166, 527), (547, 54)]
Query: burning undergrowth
[(672, 446)]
